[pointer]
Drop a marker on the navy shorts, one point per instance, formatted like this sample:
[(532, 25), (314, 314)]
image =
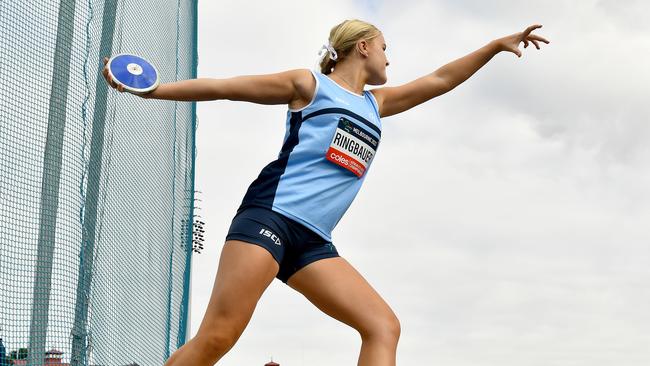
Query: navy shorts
[(292, 244)]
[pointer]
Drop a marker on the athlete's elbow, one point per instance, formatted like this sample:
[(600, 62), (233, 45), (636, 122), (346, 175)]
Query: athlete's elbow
[(212, 89), (438, 85)]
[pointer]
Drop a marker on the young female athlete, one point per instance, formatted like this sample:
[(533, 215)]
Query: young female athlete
[(282, 228)]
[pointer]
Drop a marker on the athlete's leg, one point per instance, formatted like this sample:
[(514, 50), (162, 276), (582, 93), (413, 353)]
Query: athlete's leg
[(336, 288), (245, 271)]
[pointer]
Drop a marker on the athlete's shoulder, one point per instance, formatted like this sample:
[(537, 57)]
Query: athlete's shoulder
[(305, 83)]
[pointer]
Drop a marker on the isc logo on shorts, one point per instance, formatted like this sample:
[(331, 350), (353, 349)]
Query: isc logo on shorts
[(269, 234)]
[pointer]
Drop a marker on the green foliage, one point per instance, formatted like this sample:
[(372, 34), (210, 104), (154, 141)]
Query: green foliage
[(21, 354)]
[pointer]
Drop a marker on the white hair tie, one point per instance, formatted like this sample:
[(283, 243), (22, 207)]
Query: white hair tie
[(330, 49)]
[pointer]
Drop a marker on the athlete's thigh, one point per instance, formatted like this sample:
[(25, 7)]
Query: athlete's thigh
[(341, 292), (245, 271)]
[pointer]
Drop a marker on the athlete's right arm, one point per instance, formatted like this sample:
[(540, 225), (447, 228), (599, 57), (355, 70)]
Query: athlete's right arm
[(280, 88)]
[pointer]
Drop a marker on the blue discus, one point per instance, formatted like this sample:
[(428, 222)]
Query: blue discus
[(134, 73)]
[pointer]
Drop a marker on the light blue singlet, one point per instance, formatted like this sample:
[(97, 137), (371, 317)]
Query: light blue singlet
[(328, 147)]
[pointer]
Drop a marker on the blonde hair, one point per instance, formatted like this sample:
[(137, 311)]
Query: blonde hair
[(344, 37)]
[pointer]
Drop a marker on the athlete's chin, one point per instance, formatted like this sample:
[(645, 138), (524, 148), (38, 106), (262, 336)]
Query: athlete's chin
[(380, 80)]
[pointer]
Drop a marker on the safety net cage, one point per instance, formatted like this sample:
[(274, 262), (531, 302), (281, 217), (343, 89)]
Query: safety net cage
[(96, 186)]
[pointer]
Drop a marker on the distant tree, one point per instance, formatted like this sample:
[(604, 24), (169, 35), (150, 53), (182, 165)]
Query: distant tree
[(13, 355), (22, 353)]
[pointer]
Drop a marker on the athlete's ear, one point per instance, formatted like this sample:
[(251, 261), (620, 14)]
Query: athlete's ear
[(362, 47)]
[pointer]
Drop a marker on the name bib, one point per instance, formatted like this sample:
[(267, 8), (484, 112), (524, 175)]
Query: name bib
[(352, 147)]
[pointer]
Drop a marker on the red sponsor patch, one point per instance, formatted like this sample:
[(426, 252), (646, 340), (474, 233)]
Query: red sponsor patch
[(345, 161)]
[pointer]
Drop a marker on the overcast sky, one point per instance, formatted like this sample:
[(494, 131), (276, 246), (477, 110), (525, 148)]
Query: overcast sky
[(505, 222)]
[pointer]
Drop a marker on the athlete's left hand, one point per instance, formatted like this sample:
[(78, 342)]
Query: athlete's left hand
[(511, 42)]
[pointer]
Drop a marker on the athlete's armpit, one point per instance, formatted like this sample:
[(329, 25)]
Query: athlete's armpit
[(305, 84)]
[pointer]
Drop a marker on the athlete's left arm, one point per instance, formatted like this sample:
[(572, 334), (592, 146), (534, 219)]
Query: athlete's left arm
[(393, 100)]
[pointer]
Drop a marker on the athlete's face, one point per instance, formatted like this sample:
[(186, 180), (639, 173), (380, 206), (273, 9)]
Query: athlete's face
[(377, 61)]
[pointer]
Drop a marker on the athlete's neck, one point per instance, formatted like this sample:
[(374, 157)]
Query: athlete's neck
[(349, 77)]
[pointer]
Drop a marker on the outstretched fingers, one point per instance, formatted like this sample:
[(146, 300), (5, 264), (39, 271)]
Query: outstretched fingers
[(538, 38), (530, 29), (535, 39), (527, 36)]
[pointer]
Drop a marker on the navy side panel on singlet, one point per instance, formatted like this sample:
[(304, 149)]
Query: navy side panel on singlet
[(328, 147), (262, 191)]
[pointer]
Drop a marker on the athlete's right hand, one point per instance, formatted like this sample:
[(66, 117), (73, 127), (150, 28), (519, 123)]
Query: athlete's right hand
[(110, 81)]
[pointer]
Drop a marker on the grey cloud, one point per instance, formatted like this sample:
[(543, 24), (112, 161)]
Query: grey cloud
[(586, 88)]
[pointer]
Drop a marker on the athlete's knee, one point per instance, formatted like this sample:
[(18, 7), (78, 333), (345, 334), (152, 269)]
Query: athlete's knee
[(386, 328)]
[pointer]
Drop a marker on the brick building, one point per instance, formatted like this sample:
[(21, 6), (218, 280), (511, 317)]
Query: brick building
[(52, 357)]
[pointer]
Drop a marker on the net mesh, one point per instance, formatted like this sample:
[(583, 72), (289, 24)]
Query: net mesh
[(96, 187)]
